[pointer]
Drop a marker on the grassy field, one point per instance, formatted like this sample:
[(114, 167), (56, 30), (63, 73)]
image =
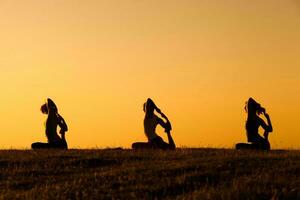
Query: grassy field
[(127, 174)]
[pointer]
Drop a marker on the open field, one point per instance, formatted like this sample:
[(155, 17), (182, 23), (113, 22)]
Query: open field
[(127, 174)]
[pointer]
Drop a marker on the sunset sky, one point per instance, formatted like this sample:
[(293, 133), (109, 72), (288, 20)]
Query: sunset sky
[(99, 60)]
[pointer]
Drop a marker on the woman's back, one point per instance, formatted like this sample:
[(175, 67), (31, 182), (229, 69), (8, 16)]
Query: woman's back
[(252, 126), (51, 129), (150, 123)]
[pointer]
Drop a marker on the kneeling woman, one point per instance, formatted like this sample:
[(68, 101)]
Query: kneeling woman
[(253, 123), (53, 120), (150, 123)]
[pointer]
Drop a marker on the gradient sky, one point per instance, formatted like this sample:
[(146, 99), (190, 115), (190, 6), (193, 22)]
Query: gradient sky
[(100, 59)]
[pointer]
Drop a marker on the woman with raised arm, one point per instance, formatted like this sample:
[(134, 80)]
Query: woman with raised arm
[(253, 123), (53, 120), (150, 123)]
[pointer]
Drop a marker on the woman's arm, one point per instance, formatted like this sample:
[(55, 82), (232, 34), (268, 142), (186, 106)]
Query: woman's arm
[(269, 123), (62, 124), (166, 125), (266, 126), (51, 106)]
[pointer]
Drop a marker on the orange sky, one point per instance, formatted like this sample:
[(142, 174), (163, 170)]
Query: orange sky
[(100, 59)]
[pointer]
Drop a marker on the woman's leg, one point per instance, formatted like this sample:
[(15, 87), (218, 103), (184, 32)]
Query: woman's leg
[(59, 145), (244, 146), (265, 145), (171, 141), (142, 145), (257, 143), (40, 145), (63, 144), (261, 143), (158, 143)]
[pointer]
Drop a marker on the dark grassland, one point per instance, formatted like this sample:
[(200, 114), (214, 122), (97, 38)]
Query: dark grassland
[(127, 174)]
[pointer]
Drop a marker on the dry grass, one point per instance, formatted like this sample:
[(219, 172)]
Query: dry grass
[(127, 174)]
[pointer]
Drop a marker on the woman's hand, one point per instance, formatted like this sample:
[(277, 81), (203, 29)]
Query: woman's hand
[(158, 110), (168, 127), (164, 116), (266, 115)]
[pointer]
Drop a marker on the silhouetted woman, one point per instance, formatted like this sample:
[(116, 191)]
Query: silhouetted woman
[(253, 123), (150, 123), (53, 120)]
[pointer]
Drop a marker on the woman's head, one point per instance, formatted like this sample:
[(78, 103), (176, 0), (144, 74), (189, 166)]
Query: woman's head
[(44, 109), (252, 107), (150, 106), (49, 107)]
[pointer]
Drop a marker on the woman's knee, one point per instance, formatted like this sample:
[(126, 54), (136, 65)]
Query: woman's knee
[(141, 145), (34, 145), (134, 145), (39, 145), (137, 145)]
